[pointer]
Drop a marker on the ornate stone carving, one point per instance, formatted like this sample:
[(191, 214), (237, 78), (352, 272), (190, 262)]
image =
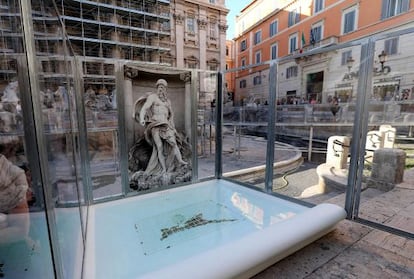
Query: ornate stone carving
[(161, 157), (223, 28), (179, 19), (130, 73), (202, 24), (186, 77)]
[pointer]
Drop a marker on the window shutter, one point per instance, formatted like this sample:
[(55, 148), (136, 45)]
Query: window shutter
[(405, 4), (297, 16), (384, 9)]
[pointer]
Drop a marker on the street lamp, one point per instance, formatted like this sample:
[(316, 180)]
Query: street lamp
[(382, 58), (349, 62)]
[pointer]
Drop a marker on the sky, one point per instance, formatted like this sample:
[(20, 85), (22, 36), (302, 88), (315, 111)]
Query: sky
[(235, 7)]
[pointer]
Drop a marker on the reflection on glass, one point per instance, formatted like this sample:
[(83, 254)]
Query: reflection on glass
[(255, 213), (23, 234), (102, 127), (14, 194), (206, 127)]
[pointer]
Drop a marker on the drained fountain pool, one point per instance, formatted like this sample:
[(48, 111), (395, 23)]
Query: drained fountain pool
[(213, 229)]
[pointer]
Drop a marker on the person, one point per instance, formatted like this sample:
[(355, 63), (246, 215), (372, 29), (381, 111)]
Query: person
[(14, 208), (156, 116), (334, 106)]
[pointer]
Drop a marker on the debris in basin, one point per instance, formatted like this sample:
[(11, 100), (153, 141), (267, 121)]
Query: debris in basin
[(195, 221)]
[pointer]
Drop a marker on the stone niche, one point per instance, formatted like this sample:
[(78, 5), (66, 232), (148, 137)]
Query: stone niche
[(138, 83)]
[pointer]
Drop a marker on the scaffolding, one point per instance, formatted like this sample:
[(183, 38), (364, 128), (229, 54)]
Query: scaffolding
[(99, 32)]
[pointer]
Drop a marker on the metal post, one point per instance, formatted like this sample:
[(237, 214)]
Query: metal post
[(123, 145), (235, 139), (359, 134), (270, 154), (310, 143), (219, 124), (193, 130)]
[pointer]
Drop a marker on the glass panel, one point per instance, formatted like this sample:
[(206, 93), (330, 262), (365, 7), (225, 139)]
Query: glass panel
[(390, 139), (59, 117), (101, 113), (206, 127), (62, 142), (315, 113), (245, 127), (24, 239)]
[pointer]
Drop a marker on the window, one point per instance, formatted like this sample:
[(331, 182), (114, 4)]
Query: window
[(273, 51), (257, 80), (349, 18), (191, 25), (273, 29), (213, 30), (191, 62), (257, 37), (243, 62), (242, 83), (213, 66), (316, 33), (227, 66), (212, 1), (165, 26), (292, 71), (345, 56), (258, 56), (294, 17), (318, 6), (192, 65), (243, 45), (227, 51), (391, 46), (394, 7), (293, 43)]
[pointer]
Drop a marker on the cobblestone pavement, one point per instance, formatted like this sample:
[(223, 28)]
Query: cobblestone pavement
[(353, 250)]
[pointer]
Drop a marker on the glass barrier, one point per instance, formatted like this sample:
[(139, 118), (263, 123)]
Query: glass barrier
[(310, 127), (24, 241), (206, 124), (61, 138), (389, 146), (245, 125), (25, 250), (101, 115), (315, 113), (40, 148)]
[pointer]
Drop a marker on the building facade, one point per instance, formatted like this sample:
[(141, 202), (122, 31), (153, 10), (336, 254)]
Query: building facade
[(177, 33), (230, 76), (302, 26), (198, 34)]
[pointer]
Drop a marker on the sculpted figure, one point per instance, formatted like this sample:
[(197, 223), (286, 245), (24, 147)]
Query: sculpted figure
[(156, 116)]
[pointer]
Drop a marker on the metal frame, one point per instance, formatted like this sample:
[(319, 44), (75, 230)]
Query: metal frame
[(359, 131), (271, 135), (219, 128)]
